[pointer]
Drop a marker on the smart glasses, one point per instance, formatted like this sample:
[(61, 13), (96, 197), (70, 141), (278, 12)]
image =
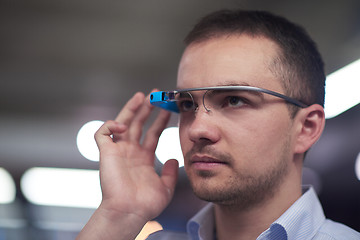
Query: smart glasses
[(215, 98)]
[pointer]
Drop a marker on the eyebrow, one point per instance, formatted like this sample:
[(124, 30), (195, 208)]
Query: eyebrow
[(223, 84), (248, 93), (231, 84)]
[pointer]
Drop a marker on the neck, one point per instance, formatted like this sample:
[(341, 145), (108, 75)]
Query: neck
[(233, 222)]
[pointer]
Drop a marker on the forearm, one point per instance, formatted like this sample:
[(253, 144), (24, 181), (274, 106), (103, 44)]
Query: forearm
[(107, 225)]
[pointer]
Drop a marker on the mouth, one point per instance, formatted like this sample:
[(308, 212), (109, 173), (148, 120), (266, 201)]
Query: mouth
[(204, 162)]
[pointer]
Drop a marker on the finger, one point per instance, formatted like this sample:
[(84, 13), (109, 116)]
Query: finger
[(169, 175), (152, 136), (103, 134), (130, 109), (128, 112), (136, 126)]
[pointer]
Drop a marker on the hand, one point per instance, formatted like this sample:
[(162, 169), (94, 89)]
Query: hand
[(133, 193)]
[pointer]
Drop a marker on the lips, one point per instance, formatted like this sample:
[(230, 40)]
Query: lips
[(206, 163), (197, 158)]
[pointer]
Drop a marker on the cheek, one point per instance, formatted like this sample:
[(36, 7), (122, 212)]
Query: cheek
[(184, 139), (257, 143)]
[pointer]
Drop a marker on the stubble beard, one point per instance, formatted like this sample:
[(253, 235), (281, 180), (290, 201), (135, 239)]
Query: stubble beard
[(242, 190)]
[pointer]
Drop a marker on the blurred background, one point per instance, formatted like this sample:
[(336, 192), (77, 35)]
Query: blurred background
[(65, 63)]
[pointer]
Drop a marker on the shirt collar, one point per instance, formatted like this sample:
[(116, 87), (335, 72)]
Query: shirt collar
[(303, 219), (300, 221), (202, 226)]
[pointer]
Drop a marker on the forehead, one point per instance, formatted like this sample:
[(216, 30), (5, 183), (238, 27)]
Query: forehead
[(235, 60)]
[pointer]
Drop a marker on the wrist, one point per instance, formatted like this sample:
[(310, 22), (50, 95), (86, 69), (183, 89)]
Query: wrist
[(114, 215), (107, 223)]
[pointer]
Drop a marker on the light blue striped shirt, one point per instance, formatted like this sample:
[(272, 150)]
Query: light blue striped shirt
[(305, 219)]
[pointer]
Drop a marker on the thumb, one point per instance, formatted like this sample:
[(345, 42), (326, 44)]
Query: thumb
[(169, 175)]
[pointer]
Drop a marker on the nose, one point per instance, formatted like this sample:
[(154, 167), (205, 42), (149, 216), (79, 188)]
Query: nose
[(204, 127)]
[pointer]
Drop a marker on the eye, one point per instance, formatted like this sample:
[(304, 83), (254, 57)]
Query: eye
[(186, 105), (234, 102)]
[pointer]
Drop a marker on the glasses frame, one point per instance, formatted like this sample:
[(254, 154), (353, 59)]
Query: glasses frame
[(166, 99)]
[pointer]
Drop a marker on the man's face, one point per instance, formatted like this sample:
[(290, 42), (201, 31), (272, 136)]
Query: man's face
[(244, 158)]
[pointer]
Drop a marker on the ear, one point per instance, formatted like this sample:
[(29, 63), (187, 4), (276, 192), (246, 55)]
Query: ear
[(310, 125)]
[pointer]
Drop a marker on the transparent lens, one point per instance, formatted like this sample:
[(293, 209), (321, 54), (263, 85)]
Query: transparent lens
[(185, 102), (222, 99), (229, 100)]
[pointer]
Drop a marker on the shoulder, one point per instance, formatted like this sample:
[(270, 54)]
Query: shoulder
[(166, 235), (334, 230)]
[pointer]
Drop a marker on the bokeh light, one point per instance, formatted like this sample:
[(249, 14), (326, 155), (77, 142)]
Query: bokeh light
[(357, 166), (85, 140), (62, 187), (7, 187), (169, 146)]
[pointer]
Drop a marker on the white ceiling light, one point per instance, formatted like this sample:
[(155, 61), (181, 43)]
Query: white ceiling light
[(62, 187), (342, 90), (7, 187), (169, 146), (85, 140), (357, 167)]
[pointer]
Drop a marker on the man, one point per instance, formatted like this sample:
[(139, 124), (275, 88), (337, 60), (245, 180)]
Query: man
[(254, 108)]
